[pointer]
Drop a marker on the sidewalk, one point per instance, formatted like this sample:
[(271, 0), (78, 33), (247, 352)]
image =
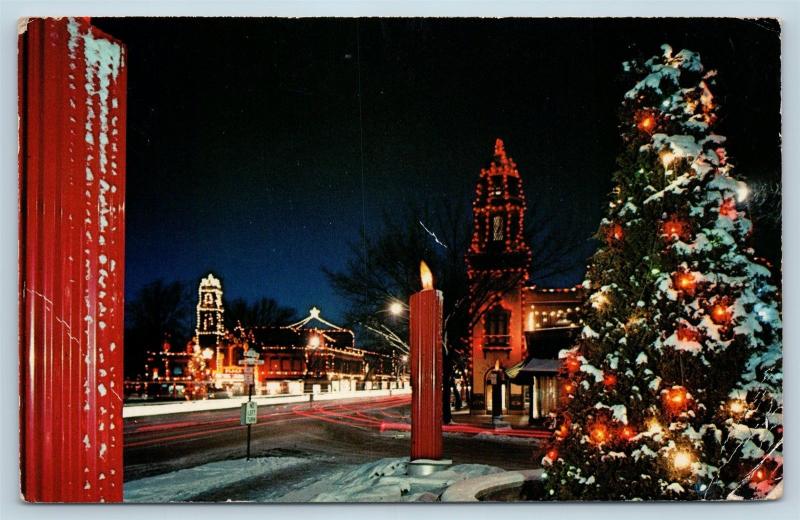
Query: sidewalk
[(515, 421)]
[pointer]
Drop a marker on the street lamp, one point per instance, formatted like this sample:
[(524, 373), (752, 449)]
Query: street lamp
[(396, 308)]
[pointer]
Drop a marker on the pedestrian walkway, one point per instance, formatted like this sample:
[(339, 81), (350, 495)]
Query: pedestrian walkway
[(515, 421)]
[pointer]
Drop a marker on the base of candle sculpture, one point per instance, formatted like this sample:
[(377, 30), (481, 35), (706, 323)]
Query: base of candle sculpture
[(425, 467)]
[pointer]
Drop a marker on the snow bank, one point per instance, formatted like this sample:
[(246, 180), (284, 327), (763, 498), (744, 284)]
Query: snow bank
[(183, 485)]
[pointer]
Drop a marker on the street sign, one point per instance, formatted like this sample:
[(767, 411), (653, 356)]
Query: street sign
[(251, 358), (248, 375), (249, 413)]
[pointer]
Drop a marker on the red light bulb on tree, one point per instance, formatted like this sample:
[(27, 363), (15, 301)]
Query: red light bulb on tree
[(687, 333), (647, 123), (609, 380), (720, 314), (685, 283), (572, 364), (552, 454), (674, 228), (676, 398), (627, 432), (599, 433), (614, 233), (728, 209)]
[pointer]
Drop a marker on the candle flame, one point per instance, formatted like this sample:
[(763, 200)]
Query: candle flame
[(426, 275)]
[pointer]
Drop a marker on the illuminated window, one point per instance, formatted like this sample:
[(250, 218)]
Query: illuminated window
[(496, 326), (496, 189), (497, 228)]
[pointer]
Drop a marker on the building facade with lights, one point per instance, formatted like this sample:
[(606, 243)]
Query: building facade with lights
[(517, 329), (312, 355)]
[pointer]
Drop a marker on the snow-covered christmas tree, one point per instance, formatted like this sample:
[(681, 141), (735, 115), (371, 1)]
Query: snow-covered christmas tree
[(674, 388)]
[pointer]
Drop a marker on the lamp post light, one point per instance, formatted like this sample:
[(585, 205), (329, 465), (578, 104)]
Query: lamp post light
[(396, 308)]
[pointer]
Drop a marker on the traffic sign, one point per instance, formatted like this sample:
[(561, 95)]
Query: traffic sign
[(251, 358), (248, 375), (249, 413)]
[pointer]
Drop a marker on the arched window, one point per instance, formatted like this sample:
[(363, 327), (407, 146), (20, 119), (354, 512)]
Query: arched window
[(496, 326), (497, 228)]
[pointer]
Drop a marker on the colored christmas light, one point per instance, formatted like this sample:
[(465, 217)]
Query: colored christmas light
[(572, 364), (667, 158), (686, 333), (674, 228), (728, 209), (759, 475), (682, 460), (562, 430), (647, 123), (599, 433), (676, 398), (737, 406), (627, 432), (614, 233), (720, 314), (742, 191), (609, 380), (685, 282)]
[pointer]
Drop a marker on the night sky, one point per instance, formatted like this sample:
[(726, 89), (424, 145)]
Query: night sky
[(245, 136)]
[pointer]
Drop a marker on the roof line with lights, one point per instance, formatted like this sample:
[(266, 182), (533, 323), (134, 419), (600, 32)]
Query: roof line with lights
[(313, 314)]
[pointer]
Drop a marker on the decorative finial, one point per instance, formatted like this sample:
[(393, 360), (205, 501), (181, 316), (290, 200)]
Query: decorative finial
[(499, 150), (314, 312)]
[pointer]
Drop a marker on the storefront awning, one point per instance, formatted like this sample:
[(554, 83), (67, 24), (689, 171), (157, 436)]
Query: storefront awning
[(522, 373)]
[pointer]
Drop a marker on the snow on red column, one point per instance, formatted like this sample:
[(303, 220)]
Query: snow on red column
[(72, 81), (426, 369)]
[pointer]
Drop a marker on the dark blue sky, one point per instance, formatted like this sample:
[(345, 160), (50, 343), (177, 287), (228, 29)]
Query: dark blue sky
[(245, 135)]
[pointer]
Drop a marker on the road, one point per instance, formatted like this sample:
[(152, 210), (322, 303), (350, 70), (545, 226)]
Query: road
[(349, 431)]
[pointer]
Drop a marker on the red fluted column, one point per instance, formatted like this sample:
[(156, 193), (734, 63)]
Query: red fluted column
[(72, 199), (426, 374)]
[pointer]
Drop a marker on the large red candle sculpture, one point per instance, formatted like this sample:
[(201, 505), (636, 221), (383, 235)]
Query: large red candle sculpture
[(426, 369)]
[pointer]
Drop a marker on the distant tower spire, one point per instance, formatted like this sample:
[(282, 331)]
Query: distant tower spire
[(500, 151), (210, 327)]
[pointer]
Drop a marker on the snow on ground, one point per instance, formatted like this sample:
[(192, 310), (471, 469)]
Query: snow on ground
[(186, 484), (384, 480)]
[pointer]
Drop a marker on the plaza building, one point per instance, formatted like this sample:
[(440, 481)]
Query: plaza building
[(517, 329)]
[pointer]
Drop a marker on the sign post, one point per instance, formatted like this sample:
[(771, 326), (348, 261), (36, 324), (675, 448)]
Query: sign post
[(249, 411)]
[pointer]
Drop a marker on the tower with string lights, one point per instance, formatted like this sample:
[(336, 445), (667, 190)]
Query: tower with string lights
[(497, 268), (210, 327)]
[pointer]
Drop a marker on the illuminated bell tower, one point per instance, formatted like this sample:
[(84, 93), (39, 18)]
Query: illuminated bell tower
[(498, 262), (498, 236), (210, 326)]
